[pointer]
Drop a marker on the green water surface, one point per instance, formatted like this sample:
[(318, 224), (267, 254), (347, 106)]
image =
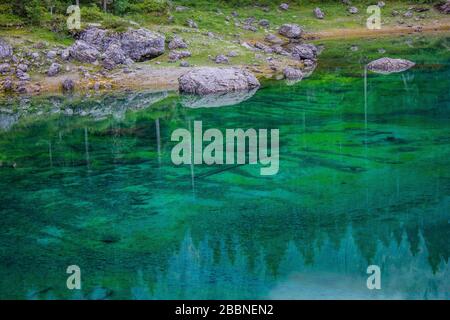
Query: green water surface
[(363, 180)]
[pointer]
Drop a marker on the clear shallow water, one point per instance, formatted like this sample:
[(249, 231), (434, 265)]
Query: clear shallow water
[(364, 179)]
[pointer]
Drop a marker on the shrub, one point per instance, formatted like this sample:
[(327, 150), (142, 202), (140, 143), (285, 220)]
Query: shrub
[(150, 6), (114, 23), (91, 13)]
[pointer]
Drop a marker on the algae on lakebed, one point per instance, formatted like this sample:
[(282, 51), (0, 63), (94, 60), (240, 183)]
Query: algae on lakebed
[(363, 180)]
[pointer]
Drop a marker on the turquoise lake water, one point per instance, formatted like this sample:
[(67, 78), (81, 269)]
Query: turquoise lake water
[(364, 180)]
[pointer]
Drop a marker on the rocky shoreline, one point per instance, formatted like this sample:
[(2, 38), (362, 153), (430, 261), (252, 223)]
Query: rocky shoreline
[(101, 59)]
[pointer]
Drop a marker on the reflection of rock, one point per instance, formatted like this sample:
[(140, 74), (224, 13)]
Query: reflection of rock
[(216, 99), (292, 73), (7, 120), (98, 108), (389, 65), (116, 105), (208, 80)]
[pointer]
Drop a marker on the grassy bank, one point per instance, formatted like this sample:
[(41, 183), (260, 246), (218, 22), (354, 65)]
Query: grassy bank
[(220, 28)]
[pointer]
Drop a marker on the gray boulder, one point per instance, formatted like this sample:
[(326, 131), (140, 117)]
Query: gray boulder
[(68, 85), (51, 54), (177, 43), (191, 24), (304, 51), (318, 13), (65, 54), (184, 64), (444, 7), (97, 37), (177, 55), (142, 44), (381, 4), (114, 55), (279, 50), (292, 73), (6, 50), (273, 39), (209, 80), (54, 69), (84, 52), (221, 59), (353, 10), (291, 31), (408, 14), (22, 75), (5, 68), (264, 23), (389, 65), (137, 44), (284, 6)]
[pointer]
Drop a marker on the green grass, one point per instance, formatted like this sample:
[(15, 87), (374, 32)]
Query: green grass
[(211, 18)]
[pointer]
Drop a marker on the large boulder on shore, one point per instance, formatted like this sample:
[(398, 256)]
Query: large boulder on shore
[(84, 52), (291, 31), (304, 51), (389, 65), (142, 44), (209, 80), (5, 49), (443, 7), (115, 48)]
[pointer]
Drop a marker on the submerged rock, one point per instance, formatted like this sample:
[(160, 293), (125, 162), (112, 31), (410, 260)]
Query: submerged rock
[(291, 31), (209, 80), (389, 65)]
